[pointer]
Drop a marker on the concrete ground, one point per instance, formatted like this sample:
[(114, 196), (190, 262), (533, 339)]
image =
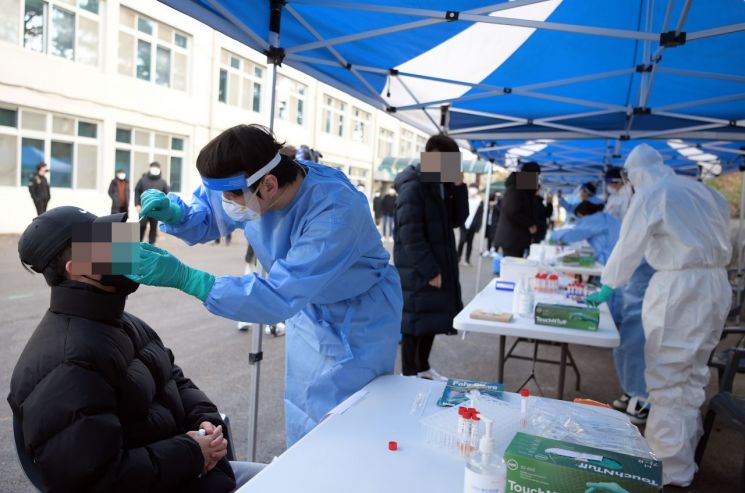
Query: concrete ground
[(214, 355)]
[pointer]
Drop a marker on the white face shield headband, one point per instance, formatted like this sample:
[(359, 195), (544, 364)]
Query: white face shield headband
[(232, 200)]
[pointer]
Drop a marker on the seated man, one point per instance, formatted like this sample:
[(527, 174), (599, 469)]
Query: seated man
[(102, 404)]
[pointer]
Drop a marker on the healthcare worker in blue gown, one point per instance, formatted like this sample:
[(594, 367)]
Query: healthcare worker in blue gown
[(328, 275)]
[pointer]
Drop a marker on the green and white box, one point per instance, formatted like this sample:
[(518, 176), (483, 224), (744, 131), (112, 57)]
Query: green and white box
[(541, 465), (567, 316)]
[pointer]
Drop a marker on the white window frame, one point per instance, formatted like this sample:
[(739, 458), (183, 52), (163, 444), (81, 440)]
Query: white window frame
[(335, 110), (242, 75), (47, 136), (361, 123), (296, 92), (155, 43), (152, 151), (406, 144), (386, 138), (77, 11)]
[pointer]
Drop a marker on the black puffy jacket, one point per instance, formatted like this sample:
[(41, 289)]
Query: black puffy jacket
[(424, 246), (148, 182), (515, 218), (103, 406)]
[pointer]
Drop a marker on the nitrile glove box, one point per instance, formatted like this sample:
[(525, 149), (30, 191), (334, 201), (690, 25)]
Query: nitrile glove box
[(541, 465), (568, 316)]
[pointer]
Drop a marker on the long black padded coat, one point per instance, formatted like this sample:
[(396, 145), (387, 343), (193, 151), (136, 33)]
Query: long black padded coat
[(424, 246), (103, 406), (515, 218)]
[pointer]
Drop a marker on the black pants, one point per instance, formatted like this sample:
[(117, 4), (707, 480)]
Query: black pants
[(41, 206), (415, 353), (153, 233), (466, 238), (513, 252), (115, 209)]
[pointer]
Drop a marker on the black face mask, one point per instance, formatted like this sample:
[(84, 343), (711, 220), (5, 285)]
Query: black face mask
[(123, 284)]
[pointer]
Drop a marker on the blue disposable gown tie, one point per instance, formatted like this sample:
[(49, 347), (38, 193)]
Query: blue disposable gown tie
[(600, 230), (328, 277)]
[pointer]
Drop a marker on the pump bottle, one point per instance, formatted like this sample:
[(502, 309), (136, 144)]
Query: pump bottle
[(485, 470)]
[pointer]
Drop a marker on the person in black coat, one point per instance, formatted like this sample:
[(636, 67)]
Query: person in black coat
[(119, 192), (424, 253), (517, 221), (388, 208), (150, 180), (541, 218), (38, 187), (102, 404)]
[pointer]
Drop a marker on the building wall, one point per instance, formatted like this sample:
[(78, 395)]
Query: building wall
[(99, 94)]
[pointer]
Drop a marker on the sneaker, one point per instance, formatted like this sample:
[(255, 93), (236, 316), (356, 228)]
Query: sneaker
[(426, 375), (432, 374), (637, 411), (622, 403), (243, 326)]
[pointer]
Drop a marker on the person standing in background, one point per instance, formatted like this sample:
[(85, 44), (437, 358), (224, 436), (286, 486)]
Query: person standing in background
[(388, 206), (517, 222), (38, 187), (119, 192), (471, 226), (377, 207), (150, 180), (424, 253)]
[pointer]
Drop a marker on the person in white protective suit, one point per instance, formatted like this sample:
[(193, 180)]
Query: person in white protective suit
[(681, 227), (619, 194)]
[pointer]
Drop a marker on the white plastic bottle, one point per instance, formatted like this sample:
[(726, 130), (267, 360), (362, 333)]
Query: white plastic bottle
[(485, 471)]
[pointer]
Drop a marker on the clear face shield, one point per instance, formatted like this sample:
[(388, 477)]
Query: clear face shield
[(234, 200)]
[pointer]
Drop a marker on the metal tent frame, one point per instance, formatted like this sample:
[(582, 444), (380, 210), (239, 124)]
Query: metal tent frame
[(715, 134)]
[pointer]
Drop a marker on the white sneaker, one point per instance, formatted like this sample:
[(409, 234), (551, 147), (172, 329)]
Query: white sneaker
[(637, 411), (431, 374), (243, 326)]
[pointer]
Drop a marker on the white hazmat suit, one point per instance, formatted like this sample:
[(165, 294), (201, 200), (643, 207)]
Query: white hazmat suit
[(681, 227)]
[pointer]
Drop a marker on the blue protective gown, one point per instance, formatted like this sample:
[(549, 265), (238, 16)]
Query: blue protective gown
[(600, 230), (328, 277)]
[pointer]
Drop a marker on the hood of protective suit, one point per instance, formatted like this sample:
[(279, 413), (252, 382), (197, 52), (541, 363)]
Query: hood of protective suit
[(645, 167)]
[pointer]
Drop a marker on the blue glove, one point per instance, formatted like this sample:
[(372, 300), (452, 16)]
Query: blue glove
[(157, 267), (604, 488), (155, 204), (601, 296)]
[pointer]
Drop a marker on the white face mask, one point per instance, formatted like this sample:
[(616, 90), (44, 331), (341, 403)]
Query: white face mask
[(155, 171), (121, 176), (238, 212)]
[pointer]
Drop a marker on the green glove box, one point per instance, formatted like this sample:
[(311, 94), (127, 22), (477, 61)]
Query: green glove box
[(567, 316), (541, 465)]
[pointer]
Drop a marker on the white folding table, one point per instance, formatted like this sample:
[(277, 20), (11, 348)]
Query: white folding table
[(491, 300)]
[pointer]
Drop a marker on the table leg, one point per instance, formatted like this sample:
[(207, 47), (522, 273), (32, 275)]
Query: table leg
[(562, 369), (500, 363)]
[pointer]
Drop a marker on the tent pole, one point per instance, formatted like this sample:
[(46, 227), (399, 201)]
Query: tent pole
[(482, 233), (256, 354)]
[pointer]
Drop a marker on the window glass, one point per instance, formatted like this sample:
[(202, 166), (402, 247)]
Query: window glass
[(62, 125), (222, 94), (163, 67), (161, 141), (87, 164), (9, 20), (143, 59), (257, 97), (142, 138), (33, 25), (233, 90), (124, 135), (127, 17), (8, 160), (86, 129), (8, 118), (87, 41), (122, 161), (299, 116), (165, 33), (126, 53), (141, 165), (177, 144), (89, 5), (179, 71), (61, 165), (235, 62), (63, 33), (246, 99), (175, 177), (33, 121), (144, 25), (180, 40), (32, 153)]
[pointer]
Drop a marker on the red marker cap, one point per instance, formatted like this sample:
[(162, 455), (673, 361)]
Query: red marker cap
[(392, 446), (525, 392)]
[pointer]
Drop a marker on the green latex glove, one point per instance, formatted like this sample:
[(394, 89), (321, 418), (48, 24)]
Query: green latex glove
[(604, 488), (155, 204), (159, 268), (601, 296)]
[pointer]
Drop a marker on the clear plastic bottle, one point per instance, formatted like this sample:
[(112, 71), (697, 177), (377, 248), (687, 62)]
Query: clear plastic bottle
[(485, 470)]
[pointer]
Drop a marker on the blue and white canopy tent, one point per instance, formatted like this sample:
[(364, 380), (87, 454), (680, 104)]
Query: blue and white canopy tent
[(574, 84)]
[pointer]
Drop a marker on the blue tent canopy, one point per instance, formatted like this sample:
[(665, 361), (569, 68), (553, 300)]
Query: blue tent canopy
[(498, 73)]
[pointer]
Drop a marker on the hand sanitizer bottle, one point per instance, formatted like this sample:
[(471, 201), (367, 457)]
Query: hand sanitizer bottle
[(485, 471)]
